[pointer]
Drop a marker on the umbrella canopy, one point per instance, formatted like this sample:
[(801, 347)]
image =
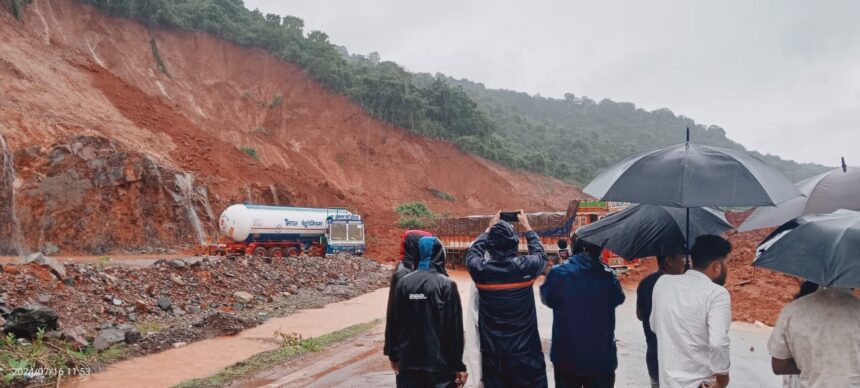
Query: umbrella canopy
[(692, 175), (821, 248), (825, 193), (649, 230)]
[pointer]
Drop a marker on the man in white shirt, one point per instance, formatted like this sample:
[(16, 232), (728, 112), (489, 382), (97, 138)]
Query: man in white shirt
[(691, 315), (817, 337)]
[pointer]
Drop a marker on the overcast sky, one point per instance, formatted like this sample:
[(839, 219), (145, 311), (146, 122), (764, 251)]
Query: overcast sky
[(780, 76)]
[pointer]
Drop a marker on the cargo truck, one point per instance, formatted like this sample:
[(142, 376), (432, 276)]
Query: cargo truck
[(279, 231), (458, 233)]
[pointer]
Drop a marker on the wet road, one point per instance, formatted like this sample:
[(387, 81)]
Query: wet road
[(359, 363)]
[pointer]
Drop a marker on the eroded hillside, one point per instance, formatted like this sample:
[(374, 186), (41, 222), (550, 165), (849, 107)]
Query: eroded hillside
[(122, 138)]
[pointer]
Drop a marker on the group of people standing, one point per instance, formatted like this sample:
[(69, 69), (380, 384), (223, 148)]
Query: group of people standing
[(685, 313)]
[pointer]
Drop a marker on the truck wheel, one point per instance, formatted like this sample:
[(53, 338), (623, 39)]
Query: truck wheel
[(260, 252), (292, 252), (276, 253)]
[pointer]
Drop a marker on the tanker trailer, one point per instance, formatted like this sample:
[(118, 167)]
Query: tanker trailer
[(278, 231)]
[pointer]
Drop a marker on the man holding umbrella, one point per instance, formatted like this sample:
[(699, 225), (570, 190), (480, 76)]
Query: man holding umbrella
[(817, 336)]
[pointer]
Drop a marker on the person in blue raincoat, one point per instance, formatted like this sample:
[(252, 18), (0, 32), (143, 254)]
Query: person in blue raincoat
[(583, 294), (511, 354)]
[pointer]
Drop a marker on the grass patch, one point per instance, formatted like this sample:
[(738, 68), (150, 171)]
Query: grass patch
[(148, 327), (251, 152), (441, 194), (415, 215), (43, 353), (159, 63), (277, 100), (17, 8), (292, 346), (113, 354)]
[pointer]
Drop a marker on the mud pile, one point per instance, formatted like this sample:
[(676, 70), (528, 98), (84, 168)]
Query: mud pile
[(150, 158), (757, 294)]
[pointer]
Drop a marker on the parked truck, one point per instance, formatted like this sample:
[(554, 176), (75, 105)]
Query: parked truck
[(458, 233), (279, 231)]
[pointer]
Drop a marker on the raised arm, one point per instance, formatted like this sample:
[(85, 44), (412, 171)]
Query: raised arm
[(536, 260)]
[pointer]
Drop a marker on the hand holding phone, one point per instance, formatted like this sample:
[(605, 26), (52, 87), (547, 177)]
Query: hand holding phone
[(511, 217), (524, 220)]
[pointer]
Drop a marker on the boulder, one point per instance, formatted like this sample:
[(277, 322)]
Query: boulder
[(141, 307), (133, 336), (56, 268), (243, 297), (164, 303), (176, 263), (178, 280), (25, 322), (108, 337), (76, 335)]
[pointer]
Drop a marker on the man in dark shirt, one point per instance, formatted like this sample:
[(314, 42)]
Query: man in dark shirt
[(667, 265), (583, 294)]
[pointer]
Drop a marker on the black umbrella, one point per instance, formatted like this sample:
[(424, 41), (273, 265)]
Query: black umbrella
[(691, 175), (649, 230), (825, 193), (821, 248)]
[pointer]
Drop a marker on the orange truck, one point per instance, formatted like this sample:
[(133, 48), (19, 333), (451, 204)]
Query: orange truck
[(458, 233)]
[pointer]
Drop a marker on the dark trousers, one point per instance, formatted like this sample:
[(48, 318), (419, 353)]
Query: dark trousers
[(515, 371), (567, 380), (420, 379)]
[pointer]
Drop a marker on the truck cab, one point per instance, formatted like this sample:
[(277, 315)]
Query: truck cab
[(345, 233)]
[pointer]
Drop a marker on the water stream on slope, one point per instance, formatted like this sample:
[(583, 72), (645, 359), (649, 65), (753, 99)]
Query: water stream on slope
[(185, 183), (8, 175)]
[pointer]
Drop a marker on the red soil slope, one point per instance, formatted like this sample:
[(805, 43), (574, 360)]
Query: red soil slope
[(104, 145)]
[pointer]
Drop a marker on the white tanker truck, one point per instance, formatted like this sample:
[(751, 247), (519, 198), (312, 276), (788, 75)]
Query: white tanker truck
[(278, 231)]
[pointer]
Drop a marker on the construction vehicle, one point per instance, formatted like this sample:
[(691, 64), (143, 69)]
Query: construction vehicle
[(279, 231)]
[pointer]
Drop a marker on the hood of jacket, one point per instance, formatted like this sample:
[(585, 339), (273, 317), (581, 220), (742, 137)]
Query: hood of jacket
[(409, 252), (432, 255), (503, 240)]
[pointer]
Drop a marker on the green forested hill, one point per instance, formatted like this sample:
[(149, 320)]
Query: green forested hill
[(571, 138), (590, 135)]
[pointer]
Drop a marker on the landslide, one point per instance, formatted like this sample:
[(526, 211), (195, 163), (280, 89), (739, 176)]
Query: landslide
[(112, 152)]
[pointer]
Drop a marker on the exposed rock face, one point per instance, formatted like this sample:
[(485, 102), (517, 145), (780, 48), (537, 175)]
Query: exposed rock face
[(90, 192), (10, 226)]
